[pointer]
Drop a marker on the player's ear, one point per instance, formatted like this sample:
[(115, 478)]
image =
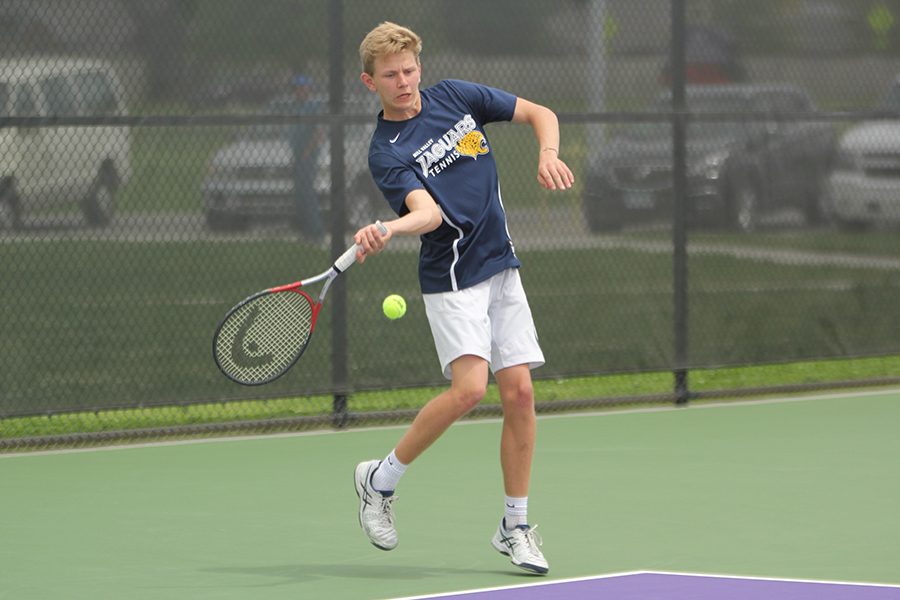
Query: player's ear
[(367, 81)]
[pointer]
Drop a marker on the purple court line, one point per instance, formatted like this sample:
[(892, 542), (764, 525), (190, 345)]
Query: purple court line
[(682, 586)]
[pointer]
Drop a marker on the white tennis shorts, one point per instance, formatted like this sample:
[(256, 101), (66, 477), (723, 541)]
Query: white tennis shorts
[(491, 319)]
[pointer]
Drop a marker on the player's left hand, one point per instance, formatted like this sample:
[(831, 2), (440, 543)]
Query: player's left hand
[(553, 173)]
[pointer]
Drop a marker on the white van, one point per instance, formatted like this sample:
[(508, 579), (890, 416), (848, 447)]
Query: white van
[(45, 167)]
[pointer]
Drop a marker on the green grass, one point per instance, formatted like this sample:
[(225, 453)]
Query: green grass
[(106, 324), (620, 387), (110, 324)]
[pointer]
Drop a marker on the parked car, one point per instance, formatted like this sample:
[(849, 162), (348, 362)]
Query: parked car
[(864, 186), (61, 165), (737, 171), (250, 179)]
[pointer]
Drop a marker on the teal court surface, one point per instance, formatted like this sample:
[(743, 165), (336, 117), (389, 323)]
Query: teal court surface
[(786, 498)]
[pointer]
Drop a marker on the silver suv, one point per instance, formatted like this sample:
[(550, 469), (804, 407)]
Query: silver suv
[(48, 167), (250, 179)]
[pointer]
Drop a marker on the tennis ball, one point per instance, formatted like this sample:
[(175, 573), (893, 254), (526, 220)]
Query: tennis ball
[(394, 307)]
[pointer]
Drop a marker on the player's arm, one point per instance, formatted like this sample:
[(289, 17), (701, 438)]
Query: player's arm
[(553, 173), (424, 215)]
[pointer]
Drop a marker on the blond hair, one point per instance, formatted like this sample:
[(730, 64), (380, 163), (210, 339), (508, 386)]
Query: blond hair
[(387, 38)]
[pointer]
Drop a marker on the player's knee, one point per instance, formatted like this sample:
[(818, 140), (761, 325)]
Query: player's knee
[(467, 397), (519, 397)]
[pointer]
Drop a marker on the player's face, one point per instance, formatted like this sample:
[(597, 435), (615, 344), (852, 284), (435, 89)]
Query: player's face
[(396, 81)]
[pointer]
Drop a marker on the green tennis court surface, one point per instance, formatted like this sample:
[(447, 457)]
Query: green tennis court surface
[(788, 490)]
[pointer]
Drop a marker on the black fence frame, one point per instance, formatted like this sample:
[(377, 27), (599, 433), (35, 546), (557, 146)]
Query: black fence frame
[(678, 117)]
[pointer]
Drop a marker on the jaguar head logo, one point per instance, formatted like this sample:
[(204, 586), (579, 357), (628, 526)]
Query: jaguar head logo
[(473, 144)]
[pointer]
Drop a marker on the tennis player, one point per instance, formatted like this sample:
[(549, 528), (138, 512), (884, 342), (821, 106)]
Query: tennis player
[(432, 160)]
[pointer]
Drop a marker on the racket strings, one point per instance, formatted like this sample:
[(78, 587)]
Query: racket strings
[(261, 339)]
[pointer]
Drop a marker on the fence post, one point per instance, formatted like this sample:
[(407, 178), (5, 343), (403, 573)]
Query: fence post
[(679, 204), (338, 210)]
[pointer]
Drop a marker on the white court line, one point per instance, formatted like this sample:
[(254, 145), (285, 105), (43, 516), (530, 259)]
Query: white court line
[(784, 579), (629, 573), (607, 412), (522, 585)]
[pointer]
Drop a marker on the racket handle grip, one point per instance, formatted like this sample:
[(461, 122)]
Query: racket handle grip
[(346, 260)]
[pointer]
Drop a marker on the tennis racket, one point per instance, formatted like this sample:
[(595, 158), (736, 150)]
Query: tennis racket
[(262, 337)]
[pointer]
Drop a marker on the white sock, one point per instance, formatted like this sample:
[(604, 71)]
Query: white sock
[(388, 473), (515, 512)]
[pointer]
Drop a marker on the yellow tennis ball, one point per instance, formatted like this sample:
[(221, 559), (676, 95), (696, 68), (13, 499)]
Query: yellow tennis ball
[(394, 307)]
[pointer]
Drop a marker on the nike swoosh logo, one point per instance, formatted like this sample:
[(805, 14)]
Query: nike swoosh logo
[(238, 354), (395, 138)]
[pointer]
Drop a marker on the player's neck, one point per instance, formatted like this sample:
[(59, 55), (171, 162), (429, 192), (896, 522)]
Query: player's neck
[(403, 113)]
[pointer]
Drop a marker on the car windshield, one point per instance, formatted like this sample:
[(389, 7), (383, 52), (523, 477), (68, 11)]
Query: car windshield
[(697, 130)]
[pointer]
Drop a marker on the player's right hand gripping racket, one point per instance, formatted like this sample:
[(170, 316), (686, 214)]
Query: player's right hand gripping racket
[(265, 335)]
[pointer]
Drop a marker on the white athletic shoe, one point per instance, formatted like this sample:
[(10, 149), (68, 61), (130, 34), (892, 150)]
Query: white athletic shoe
[(523, 546), (376, 512)]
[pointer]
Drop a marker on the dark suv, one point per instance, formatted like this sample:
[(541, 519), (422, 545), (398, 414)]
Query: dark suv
[(737, 171)]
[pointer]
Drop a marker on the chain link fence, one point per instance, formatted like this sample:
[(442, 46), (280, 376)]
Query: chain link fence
[(737, 197)]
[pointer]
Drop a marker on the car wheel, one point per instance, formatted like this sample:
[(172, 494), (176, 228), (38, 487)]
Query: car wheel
[(850, 225), (743, 207), (600, 213), (218, 220), (813, 210), (10, 213), (100, 202)]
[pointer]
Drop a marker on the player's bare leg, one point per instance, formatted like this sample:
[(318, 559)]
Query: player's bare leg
[(519, 428), (469, 376), (467, 388), (521, 543)]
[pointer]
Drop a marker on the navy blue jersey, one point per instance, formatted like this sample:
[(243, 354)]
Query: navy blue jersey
[(445, 151)]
